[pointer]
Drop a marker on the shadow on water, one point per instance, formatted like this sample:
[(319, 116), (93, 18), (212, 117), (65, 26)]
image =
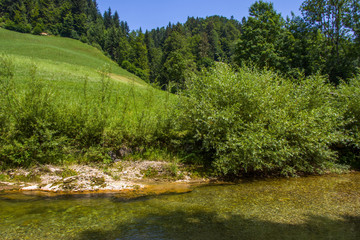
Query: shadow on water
[(204, 225)]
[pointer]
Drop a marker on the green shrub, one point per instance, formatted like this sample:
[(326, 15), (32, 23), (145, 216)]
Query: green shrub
[(67, 172), (144, 75), (349, 99), (252, 121), (74, 35), (150, 172), (38, 29), (6, 87), (84, 39), (18, 27), (96, 45), (30, 135)]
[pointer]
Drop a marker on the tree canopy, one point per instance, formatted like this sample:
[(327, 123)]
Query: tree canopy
[(325, 39)]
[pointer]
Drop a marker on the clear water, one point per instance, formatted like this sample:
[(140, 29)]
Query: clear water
[(326, 207)]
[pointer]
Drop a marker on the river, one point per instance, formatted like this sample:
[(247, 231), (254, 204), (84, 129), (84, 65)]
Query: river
[(316, 207)]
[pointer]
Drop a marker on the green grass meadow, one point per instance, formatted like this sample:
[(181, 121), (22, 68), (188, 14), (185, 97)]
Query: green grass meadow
[(56, 50), (62, 91)]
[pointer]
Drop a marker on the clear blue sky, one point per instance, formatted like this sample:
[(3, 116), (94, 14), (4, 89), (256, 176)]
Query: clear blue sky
[(149, 14)]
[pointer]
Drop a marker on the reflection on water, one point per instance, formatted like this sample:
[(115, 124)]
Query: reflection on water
[(325, 207)]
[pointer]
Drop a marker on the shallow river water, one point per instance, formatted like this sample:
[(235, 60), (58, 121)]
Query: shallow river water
[(326, 207)]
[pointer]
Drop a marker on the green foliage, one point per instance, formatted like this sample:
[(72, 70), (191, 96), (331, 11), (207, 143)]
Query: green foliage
[(173, 169), (150, 172), (140, 52), (254, 121), (349, 99), (19, 27), (303, 49), (241, 121), (133, 69), (261, 33), (30, 177), (65, 109), (335, 19), (67, 172), (84, 59), (349, 94), (38, 29), (325, 39), (177, 59), (31, 133), (4, 177)]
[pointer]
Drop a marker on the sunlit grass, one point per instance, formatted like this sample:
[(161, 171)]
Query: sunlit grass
[(86, 96), (56, 49)]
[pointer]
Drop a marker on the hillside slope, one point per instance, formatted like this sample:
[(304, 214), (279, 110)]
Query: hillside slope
[(66, 100), (57, 50)]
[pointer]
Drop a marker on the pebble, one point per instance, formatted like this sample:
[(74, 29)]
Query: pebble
[(34, 187)]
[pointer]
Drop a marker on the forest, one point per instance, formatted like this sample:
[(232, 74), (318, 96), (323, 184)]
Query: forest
[(264, 94), (325, 39)]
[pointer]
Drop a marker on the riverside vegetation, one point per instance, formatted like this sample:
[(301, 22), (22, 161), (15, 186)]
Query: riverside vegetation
[(56, 106), (261, 97), (239, 121)]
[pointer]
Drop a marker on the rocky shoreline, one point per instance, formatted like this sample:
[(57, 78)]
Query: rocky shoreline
[(120, 176)]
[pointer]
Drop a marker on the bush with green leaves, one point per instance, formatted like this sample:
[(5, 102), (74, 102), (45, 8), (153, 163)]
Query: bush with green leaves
[(38, 29), (137, 71), (19, 27), (6, 84), (349, 99), (255, 121), (30, 133)]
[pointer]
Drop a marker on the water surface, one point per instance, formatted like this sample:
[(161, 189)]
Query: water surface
[(326, 207)]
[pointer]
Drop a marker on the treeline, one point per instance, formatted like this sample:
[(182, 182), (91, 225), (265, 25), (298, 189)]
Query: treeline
[(325, 39), (160, 55)]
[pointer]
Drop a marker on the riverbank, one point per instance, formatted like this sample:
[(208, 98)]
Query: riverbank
[(120, 176)]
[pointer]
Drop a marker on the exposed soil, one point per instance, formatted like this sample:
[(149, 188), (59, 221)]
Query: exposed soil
[(120, 176)]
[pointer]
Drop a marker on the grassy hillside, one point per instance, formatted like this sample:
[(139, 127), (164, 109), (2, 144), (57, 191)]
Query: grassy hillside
[(68, 53), (63, 99)]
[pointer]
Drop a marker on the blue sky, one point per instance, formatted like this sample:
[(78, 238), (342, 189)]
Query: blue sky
[(149, 14)]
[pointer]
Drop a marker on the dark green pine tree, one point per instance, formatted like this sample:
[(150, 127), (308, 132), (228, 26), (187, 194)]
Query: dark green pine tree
[(177, 59), (112, 40), (108, 19), (214, 41), (68, 26), (140, 56), (154, 57), (230, 33), (116, 20)]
